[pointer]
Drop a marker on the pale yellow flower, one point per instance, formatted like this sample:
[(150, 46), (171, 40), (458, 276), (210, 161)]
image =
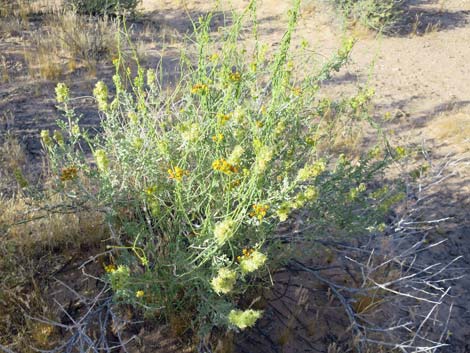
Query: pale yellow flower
[(236, 155), (100, 92), (224, 281), (263, 157), (311, 171), (46, 138), (62, 93), (244, 319), (58, 137), (101, 160), (223, 231)]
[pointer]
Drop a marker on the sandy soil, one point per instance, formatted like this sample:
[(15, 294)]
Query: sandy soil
[(420, 73)]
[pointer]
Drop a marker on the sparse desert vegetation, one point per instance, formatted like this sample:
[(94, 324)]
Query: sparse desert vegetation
[(186, 176)]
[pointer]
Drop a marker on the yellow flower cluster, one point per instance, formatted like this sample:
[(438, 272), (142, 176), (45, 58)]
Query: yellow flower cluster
[(100, 92), (284, 211), (75, 130), (218, 138), (119, 277), (235, 76), (244, 319), (62, 93), (68, 173), (400, 152), (310, 194), (139, 294), (177, 173), (251, 261), (296, 91), (110, 268), (259, 211), (223, 118), (224, 281), (151, 190), (151, 77), (311, 171), (133, 118), (354, 192), (246, 254), (191, 132), (221, 165), (280, 128), (199, 88), (138, 143)]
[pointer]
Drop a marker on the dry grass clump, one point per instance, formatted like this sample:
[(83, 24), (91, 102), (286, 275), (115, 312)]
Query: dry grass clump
[(87, 39), (35, 244), (31, 225), (12, 26), (34, 247), (44, 58), (26, 8), (12, 162), (15, 8), (4, 75), (31, 220), (68, 42), (20, 294), (452, 128)]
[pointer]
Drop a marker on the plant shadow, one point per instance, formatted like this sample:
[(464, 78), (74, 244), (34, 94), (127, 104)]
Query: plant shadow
[(417, 19)]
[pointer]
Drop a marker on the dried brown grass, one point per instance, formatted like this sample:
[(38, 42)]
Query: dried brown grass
[(452, 128), (12, 163), (68, 41), (34, 245)]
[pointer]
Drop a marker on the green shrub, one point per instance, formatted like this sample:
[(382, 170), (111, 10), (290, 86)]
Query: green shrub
[(195, 181), (375, 14), (103, 7)]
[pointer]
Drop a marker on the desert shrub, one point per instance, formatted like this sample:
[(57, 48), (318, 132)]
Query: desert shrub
[(375, 14), (103, 7), (196, 180)]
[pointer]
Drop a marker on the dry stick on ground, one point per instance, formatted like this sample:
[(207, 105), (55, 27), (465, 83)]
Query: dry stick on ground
[(90, 331), (402, 275)]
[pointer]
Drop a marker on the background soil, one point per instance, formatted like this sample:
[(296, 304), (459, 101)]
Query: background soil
[(420, 73)]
